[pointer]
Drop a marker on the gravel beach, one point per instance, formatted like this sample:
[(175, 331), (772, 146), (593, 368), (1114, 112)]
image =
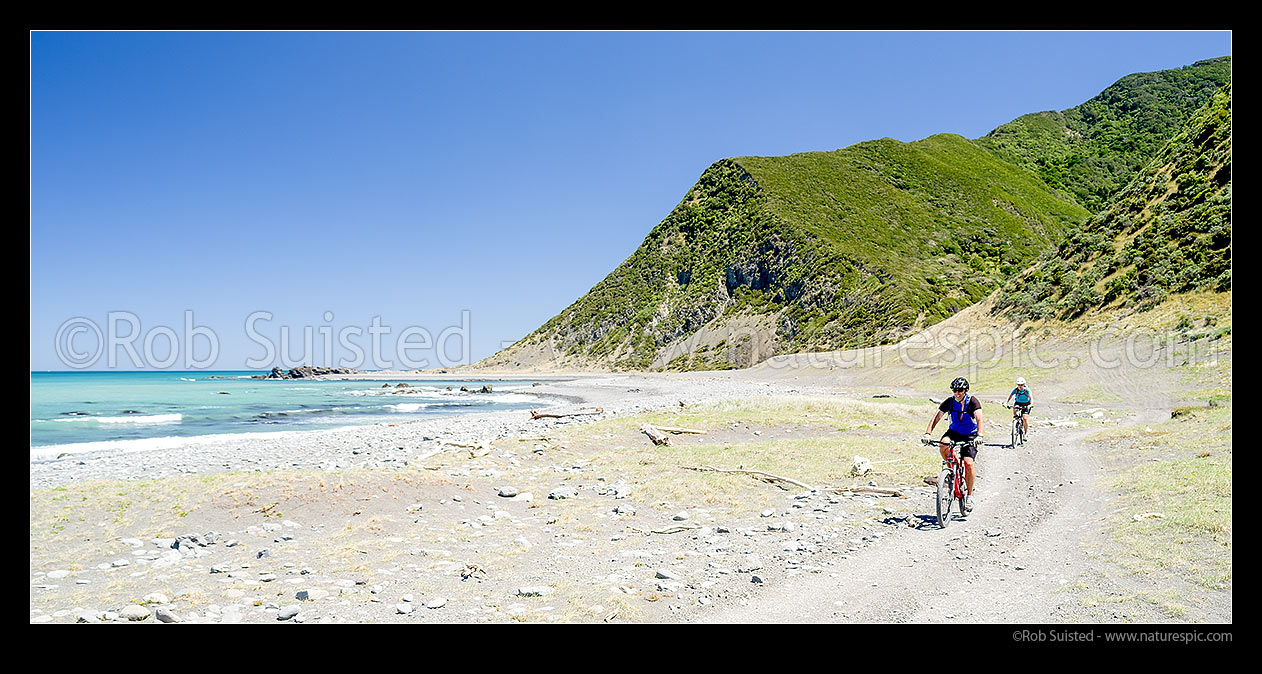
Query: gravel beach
[(763, 515)]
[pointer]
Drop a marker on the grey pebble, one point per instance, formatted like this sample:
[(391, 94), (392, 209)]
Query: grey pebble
[(562, 493), (134, 613), (311, 595)]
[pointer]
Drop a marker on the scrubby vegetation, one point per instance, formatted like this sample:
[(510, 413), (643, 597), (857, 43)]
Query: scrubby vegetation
[(1093, 150), (1168, 231)]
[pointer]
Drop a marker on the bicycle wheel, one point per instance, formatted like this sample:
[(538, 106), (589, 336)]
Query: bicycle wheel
[(946, 488), (1016, 432)]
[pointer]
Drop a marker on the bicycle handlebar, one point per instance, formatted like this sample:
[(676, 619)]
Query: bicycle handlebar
[(954, 443)]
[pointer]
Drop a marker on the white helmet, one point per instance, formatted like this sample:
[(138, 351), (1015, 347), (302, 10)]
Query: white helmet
[(1020, 381)]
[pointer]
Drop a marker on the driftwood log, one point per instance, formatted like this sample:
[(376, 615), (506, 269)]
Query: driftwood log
[(765, 477), (668, 530), (655, 435), (536, 414), (672, 429), (467, 445), (864, 489)]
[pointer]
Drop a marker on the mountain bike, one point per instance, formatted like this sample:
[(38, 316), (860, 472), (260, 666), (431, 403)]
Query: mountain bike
[(1018, 427), (951, 487)]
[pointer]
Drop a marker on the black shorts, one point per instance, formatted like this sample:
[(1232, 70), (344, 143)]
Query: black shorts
[(969, 451), (1024, 407)]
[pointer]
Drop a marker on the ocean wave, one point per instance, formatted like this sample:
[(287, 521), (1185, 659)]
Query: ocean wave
[(286, 413), (407, 407), (132, 419), (392, 391)]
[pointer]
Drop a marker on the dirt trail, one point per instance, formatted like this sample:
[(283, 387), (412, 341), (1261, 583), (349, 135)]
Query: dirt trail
[(1018, 557), (1001, 564), (1031, 537)]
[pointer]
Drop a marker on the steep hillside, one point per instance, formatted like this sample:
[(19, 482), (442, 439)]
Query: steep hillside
[(855, 247), (1093, 150), (1168, 231), (820, 250)]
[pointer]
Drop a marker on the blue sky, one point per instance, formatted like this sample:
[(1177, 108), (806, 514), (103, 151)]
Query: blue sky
[(414, 176)]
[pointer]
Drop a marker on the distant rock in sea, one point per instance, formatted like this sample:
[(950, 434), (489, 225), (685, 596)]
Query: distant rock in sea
[(306, 372)]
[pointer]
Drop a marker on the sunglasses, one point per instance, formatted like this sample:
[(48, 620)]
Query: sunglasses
[(959, 390)]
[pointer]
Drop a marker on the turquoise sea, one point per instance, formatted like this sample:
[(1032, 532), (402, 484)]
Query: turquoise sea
[(83, 411)]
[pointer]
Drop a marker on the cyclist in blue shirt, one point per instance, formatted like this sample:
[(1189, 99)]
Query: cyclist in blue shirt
[(1024, 401), (966, 424)]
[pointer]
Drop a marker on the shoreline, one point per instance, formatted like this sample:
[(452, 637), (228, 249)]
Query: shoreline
[(45, 453), (376, 445), (400, 375), (228, 434)]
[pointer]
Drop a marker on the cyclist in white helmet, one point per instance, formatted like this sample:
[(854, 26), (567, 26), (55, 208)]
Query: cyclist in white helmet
[(1023, 403)]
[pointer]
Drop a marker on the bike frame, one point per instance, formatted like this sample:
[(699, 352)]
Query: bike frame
[(954, 463), (957, 469), (1018, 416)]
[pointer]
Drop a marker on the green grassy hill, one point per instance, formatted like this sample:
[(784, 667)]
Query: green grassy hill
[(1093, 150), (1168, 231), (855, 247), (829, 249)]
